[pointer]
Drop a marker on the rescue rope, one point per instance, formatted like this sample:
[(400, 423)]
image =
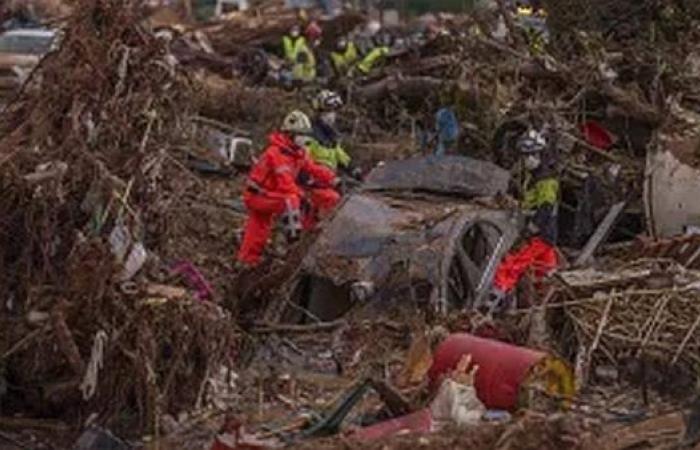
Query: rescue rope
[(89, 384)]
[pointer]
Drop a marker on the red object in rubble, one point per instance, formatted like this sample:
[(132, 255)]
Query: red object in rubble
[(418, 422), (597, 135), (502, 367), (537, 255), (313, 31)]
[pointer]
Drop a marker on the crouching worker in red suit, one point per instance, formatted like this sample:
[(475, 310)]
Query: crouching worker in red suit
[(538, 254), (276, 189)]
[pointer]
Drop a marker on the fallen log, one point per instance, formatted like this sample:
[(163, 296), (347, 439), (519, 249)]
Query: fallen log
[(403, 87), (200, 59), (428, 65)]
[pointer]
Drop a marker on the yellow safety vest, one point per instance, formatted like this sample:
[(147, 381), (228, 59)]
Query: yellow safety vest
[(543, 192), (342, 62), (331, 157), (372, 58), (537, 41), (292, 47), (306, 70)]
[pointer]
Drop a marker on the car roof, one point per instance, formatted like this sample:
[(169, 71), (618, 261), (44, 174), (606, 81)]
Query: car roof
[(446, 175), (30, 32)]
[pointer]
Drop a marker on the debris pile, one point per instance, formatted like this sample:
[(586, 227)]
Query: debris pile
[(91, 320), (122, 166), (606, 98), (644, 312)]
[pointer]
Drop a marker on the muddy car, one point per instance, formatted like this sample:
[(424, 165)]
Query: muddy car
[(20, 51), (421, 230)]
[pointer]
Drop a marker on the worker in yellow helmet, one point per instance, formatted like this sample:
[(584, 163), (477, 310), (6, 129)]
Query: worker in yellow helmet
[(524, 9)]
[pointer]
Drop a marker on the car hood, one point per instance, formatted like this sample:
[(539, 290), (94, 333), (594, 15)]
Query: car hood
[(450, 175)]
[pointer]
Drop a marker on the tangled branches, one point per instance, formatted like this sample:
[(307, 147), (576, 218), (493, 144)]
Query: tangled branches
[(82, 153)]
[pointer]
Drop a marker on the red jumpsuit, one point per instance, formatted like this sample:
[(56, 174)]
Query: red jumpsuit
[(274, 189)]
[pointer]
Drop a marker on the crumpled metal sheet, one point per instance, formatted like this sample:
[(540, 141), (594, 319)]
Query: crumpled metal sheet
[(370, 235), (453, 175), (375, 237)]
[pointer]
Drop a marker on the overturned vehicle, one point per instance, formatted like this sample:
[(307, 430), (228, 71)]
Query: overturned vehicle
[(428, 231)]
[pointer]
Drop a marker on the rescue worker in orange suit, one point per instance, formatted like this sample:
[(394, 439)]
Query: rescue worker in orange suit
[(540, 203), (283, 182)]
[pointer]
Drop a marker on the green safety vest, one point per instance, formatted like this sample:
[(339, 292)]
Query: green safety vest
[(536, 41), (292, 47), (305, 71), (543, 192), (372, 58), (328, 156), (344, 61)]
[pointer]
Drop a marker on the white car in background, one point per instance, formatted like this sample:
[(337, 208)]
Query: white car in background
[(20, 52)]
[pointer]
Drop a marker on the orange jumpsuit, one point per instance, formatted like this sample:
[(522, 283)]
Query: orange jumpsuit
[(273, 189)]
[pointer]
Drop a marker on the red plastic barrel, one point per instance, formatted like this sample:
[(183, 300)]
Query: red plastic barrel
[(502, 367)]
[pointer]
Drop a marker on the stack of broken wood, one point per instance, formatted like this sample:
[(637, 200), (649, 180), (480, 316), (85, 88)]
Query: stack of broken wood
[(634, 313)]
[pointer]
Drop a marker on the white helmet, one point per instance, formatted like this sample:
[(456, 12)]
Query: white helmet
[(297, 122), (532, 141), (327, 101)]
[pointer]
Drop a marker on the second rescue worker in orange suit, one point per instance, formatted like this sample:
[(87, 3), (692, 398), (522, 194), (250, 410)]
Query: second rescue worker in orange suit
[(283, 178)]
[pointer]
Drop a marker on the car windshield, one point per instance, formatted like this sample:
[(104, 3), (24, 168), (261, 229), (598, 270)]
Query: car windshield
[(24, 44)]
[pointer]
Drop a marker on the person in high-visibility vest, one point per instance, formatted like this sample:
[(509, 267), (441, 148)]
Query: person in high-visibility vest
[(541, 203), (304, 70), (533, 23), (298, 53), (344, 57), (324, 143), (283, 178), (292, 43), (541, 197), (376, 55)]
